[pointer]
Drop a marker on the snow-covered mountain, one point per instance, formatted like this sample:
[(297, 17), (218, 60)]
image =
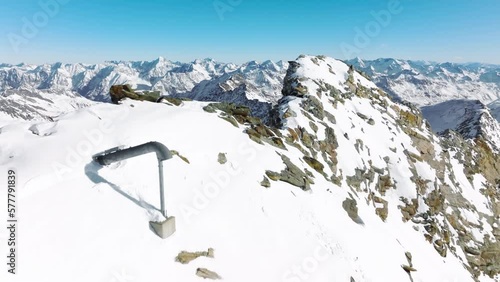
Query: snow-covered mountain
[(468, 117), (38, 105), (257, 86), (495, 109), (452, 96), (428, 83), (343, 185)]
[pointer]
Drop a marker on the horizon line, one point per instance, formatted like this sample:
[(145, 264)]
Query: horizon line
[(245, 62)]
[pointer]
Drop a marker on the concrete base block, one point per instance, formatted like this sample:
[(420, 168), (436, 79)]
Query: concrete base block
[(164, 229)]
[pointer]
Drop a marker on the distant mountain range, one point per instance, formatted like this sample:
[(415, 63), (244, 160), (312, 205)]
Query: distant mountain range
[(45, 91), (427, 83), (70, 82)]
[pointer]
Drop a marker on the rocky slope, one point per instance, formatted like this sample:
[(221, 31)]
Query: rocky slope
[(355, 136)]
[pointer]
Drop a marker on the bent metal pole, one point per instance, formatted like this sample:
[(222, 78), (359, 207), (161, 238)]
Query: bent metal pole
[(117, 154)]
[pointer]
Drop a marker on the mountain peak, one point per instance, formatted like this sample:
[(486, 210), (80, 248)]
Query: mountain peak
[(307, 73), (204, 61), (161, 59)]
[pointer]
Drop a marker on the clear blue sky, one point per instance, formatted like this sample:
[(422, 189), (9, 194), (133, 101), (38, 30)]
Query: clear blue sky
[(93, 31)]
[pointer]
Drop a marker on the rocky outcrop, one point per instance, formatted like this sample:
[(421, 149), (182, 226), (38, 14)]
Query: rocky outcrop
[(292, 174), (221, 158), (207, 274), (351, 207), (291, 83), (265, 182), (119, 92), (185, 257)]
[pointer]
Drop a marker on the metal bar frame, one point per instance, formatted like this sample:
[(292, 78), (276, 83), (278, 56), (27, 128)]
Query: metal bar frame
[(118, 154)]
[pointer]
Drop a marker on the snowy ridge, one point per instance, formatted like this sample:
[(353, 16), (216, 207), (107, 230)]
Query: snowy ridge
[(353, 177), (470, 118), (371, 131), (39, 105), (495, 109), (451, 114)]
